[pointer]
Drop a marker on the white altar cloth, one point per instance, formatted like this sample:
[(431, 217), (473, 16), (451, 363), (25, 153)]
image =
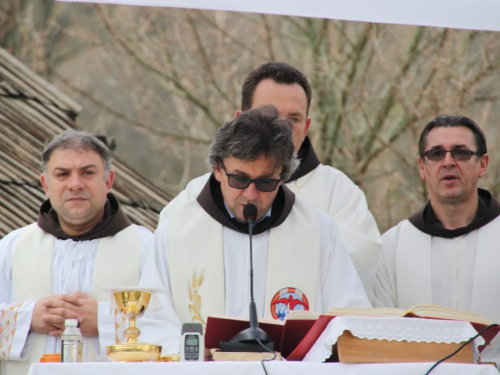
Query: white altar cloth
[(255, 368), (392, 329)]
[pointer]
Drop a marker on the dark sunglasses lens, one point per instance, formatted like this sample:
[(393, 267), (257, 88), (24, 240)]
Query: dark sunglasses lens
[(266, 185), (238, 182)]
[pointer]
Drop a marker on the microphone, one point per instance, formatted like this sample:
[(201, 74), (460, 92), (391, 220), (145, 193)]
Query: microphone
[(250, 213), (250, 339)]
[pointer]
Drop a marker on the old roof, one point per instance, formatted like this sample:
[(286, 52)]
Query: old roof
[(32, 111)]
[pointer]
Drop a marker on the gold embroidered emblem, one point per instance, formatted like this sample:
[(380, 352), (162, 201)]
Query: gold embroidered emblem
[(195, 297)]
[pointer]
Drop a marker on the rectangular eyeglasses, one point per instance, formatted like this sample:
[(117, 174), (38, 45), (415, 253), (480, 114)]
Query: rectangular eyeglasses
[(457, 154)]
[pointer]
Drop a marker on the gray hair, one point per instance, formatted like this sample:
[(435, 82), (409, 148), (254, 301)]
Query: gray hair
[(77, 140), (254, 133)]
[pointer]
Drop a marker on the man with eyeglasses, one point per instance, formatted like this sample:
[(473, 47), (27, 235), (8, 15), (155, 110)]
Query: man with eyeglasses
[(202, 250), (447, 252), (327, 188)]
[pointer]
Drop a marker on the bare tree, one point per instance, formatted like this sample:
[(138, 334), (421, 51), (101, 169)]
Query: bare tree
[(161, 81)]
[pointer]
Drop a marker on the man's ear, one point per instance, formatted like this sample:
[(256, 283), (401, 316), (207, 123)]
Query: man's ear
[(308, 124), (218, 173), (45, 184), (485, 159), (237, 113), (421, 167), (110, 180)]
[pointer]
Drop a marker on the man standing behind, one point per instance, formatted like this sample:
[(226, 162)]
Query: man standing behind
[(299, 261), (447, 252), (54, 269), (330, 190)]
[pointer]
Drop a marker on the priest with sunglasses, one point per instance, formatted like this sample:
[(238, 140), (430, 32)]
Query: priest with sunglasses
[(447, 252), (299, 260), (329, 190)]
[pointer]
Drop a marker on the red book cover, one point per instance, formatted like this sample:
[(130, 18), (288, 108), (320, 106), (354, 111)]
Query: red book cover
[(286, 335), (221, 328), (293, 334), (310, 338)]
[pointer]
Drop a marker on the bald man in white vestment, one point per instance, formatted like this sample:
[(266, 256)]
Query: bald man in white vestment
[(327, 188), (299, 260), (54, 269), (447, 253)]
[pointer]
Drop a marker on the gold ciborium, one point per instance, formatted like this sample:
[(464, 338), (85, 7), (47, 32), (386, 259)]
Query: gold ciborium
[(133, 303)]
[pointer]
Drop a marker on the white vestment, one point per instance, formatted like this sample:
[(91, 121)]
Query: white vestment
[(333, 193), (73, 268), (337, 283), (460, 273)]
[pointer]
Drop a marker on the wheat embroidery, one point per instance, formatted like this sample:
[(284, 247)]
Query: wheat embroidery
[(194, 297)]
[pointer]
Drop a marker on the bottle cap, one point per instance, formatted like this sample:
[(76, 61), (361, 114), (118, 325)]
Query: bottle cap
[(71, 322), (51, 357)]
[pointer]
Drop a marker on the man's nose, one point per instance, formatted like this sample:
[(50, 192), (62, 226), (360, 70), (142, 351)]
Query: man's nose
[(448, 159), (75, 181), (251, 191)]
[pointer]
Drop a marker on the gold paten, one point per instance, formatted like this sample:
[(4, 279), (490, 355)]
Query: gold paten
[(133, 303), (138, 352)]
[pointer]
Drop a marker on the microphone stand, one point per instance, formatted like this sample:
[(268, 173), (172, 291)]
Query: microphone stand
[(253, 339)]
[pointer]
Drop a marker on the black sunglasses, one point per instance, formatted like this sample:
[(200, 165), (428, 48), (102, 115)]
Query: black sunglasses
[(239, 181), (457, 154)]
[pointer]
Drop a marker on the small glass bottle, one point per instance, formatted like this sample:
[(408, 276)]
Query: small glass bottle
[(71, 342)]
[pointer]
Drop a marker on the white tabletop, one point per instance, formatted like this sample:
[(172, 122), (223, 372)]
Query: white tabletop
[(254, 368)]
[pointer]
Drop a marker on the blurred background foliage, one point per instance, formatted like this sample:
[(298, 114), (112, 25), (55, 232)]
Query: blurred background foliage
[(160, 81)]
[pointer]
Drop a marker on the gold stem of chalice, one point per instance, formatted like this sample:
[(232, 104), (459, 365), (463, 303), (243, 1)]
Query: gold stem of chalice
[(132, 332), (132, 304)]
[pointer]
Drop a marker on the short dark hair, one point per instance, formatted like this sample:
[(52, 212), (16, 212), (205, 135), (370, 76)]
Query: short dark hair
[(77, 140), (446, 121), (253, 133), (279, 72)]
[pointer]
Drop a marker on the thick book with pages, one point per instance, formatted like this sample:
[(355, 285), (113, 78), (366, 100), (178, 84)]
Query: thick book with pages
[(425, 311)]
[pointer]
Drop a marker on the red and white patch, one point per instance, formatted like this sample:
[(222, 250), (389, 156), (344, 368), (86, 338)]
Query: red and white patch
[(287, 300)]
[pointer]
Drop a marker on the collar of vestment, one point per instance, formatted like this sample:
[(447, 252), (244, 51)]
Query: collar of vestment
[(267, 215), (211, 200), (426, 221), (113, 222), (308, 160)]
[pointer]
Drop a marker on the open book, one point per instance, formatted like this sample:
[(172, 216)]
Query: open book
[(426, 311), (418, 311), (286, 334), (294, 336)]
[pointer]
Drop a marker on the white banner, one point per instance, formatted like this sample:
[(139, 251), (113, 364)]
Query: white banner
[(460, 14)]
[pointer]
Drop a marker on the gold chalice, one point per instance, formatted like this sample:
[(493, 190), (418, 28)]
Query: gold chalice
[(132, 303)]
